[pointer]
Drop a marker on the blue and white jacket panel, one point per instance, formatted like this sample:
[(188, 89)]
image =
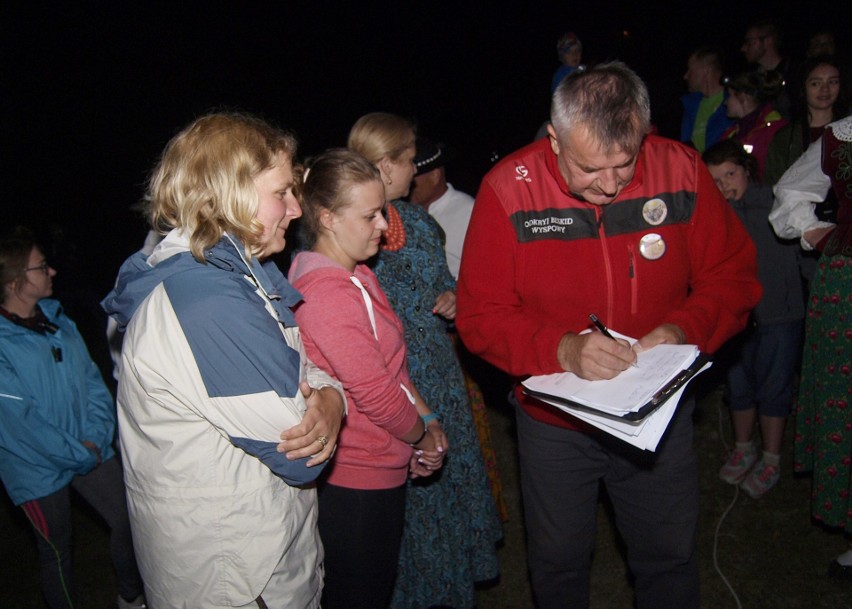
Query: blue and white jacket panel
[(210, 373), (52, 399)]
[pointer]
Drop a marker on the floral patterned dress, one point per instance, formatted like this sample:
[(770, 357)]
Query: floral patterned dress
[(824, 413), (451, 523)]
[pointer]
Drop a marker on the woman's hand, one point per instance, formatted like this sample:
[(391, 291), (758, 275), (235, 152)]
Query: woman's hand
[(317, 433), (438, 436), (429, 453), (815, 235), (415, 468), (445, 305)]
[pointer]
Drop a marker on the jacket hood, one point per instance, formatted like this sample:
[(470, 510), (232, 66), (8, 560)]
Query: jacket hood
[(317, 265), (141, 273), (51, 308)]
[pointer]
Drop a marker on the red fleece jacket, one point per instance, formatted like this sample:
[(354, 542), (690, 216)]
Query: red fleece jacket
[(537, 260)]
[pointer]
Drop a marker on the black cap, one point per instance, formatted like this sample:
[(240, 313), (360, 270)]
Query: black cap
[(429, 155)]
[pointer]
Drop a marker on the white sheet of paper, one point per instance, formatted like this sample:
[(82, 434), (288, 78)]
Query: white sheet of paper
[(645, 434), (627, 392)]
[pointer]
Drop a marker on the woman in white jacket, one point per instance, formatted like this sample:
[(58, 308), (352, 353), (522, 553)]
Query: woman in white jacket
[(212, 371)]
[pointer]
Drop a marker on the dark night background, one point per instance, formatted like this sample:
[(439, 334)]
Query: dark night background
[(93, 90)]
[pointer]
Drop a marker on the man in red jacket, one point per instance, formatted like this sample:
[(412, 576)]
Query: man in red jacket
[(602, 218)]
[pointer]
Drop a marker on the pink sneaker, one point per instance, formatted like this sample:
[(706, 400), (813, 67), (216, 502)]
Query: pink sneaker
[(738, 464), (761, 478)]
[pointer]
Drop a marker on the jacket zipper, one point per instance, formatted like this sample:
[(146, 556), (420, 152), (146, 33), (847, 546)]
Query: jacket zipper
[(607, 265), (634, 281)]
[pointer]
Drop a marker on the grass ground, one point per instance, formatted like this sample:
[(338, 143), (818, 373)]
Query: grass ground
[(768, 549)]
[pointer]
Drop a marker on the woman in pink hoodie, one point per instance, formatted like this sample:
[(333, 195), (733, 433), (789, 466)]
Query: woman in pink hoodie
[(351, 332)]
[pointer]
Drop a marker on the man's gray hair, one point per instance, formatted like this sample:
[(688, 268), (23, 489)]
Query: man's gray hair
[(609, 101)]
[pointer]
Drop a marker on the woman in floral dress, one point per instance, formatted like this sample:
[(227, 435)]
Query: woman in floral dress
[(451, 523), (824, 417)]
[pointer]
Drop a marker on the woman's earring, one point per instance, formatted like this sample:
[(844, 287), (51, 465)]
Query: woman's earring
[(390, 181)]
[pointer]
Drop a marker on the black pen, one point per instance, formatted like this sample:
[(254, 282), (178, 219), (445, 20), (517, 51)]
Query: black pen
[(599, 325)]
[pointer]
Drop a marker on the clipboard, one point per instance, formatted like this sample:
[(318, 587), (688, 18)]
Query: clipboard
[(634, 416)]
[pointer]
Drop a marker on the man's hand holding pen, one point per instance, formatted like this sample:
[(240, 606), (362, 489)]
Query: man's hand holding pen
[(593, 356), (596, 356)]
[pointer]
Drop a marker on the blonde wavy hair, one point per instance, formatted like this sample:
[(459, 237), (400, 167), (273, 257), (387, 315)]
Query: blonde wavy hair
[(204, 182)]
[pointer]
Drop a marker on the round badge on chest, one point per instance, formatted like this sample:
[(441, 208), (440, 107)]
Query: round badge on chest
[(654, 211), (652, 246)]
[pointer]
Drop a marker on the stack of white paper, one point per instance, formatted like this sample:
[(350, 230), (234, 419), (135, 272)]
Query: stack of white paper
[(626, 393)]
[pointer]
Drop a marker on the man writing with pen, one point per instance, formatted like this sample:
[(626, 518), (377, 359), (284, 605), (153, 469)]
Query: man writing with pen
[(601, 218)]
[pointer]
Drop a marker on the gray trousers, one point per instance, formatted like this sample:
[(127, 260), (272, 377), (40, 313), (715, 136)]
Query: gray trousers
[(654, 495)]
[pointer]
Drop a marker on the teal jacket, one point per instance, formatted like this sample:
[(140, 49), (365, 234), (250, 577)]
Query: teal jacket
[(52, 398)]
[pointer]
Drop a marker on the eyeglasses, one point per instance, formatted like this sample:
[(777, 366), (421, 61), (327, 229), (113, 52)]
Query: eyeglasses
[(43, 267)]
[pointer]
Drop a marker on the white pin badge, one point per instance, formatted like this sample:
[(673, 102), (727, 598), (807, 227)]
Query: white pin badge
[(655, 211), (652, 246)]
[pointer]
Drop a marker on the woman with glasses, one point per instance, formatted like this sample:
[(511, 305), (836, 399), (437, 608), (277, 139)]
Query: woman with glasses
[(57, 423)]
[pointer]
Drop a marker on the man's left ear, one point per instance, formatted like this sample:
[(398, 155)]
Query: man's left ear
[(554, 142)]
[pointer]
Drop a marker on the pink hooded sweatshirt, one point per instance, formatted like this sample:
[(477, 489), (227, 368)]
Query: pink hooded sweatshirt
[(340, 338)]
